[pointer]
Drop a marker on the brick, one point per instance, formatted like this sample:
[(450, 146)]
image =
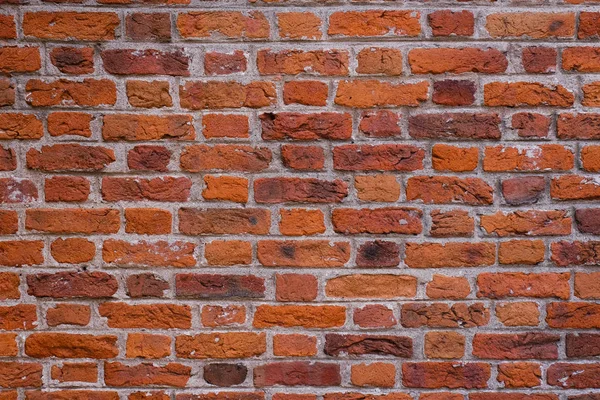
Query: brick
[(154, 316), (131, 127), (519, 94), (448, 287), (519, 374), (18, 317), (73, 250), (582, 345), (451, 223), (8, 159), (449, 190), (530, 125), (308, 93), (142, 345), (70, 157), (7, 89), (442, 315), (75, 372), (145, 62), (374, 316), (579, 315), (299, 190), (149, 158), (69, 123), (516, 346), (14, 191), (168, 189), (66, 188), (15, 59), (405, 221), (521, 252), (566, 253), (523, 190), (70, 25), (300, 126), (518, 284), (289, 316), (9, 286), (295, 287), (152, 94), (436, 375), (373, 375), (218, 94), (225, 125), (372, 93), (146, 285), (148, 26), (225, 157), (228, 252), (563, 375), (9, 222), (73, 60), (253, 221), (306, 253), (148, 221), (527, 223), (72, 394), (299, 25), (374, 23), (64, 92), (15, 253), (20, 126), (518, 314), (534, 25), (225, 374), (69, 314), (548, 157), (9, 29), (225, 188), (451, 23), (452, 158), (377, 188), (457, 61), (455, 126), (539, 60), (444, 345), (578, 126), (377, 60), (171, 374), (586, 285), (70, 345), (381, 123), (454, 92), (212, 286), (371, 286), (292, 62), (155, 254), (221, 345), (214, 316), (229, 24), (384, 157), (378, 254), (18, 374), (294, 345), (61, 285), (450, 254), (224, 63), (304, 158), (67, 220), (297, 373)]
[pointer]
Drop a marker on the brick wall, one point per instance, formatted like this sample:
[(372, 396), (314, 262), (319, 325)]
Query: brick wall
[(283, 200)]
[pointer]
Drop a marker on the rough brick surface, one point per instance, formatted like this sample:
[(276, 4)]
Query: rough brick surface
[(299, 200)]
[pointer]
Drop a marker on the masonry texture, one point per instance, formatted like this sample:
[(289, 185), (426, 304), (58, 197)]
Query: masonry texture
[(290, 200)]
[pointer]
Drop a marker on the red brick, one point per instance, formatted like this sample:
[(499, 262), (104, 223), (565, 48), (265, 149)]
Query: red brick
[(298, 126), (71, 25), (16, 59), (295, 287), (451, 23), (375, 23), (230, 24), (308, 93), (148, 26), (64, 92), (436, 375), (132, 127), (66, 188), (169, 189), (225, 125), (145, 62), (372, 93), (69, 314), (151, 316), (219, 94), (225, 157), (155, 254), (70, 345), (297, 373), (70, 157), (456, 60), (69, 123), (73, 60), (71, 220)]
